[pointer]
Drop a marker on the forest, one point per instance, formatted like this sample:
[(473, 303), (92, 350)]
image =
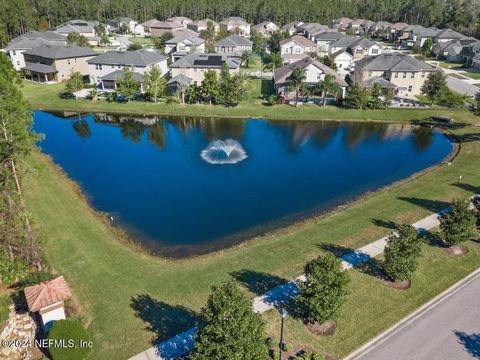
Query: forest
[(19, 16)]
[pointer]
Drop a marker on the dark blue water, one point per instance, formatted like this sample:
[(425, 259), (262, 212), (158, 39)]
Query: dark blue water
[(150, 176)]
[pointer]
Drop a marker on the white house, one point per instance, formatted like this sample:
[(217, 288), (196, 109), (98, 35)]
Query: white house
[(295, 48), (133, 26), (199, 25), (266, 28), (180, 46), (47, 300), (236, 24), (180, 20), (113, 61), (343, 59)]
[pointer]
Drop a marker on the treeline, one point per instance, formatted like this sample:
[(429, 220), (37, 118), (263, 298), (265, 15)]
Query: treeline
[(20, 16)]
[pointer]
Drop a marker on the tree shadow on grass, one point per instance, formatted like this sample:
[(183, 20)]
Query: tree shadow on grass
[(464, 138), (433, 239), (163, 319), (431, 205), (387, 224), (258, 282), (435, 124), (467, 187), (471, 342)]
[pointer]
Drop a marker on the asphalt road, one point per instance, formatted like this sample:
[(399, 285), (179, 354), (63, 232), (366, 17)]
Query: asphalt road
[(460, 86), (448, 331)]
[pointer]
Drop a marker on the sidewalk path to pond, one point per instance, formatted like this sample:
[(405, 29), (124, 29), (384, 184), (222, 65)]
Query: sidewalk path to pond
[(183, 343)]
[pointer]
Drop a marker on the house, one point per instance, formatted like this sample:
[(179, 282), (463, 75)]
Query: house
[(180, 46), (110, 62), (55, 63), (180, 20), (266, 28), (324, 40), (342, 23), (233, 45), (446, 35), (454, 50), (314, 71), (343, 59), (475, 61), (311, 31), (199, 25), (47, 300), (146, 25), (295, 48), (235, 24), (417, 35), (83, 27), (395, 31), (195, 65), (132, 26), (385, 85), (355, 26), (379, 29), (28, 41), (357, 46), (405, 72), (304, 28), (161, 27), (291, 27), (178, 83)]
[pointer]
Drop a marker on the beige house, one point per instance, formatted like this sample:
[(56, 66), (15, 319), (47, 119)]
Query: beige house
[(266, 28), (194, 66), (233, 45), (235, 24), (161, 27), (295, 48), (199, 25), (358, 47), (405, 72), (55, 63), (180, 20)]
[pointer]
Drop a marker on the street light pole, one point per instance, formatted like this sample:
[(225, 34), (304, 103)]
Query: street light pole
[(283, 314)]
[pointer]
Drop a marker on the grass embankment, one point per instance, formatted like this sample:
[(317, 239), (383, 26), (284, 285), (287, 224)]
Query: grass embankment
[(45, 97), (131, 299)]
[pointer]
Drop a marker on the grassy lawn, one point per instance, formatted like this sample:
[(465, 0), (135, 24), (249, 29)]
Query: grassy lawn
[(447, 65), (144, 41), (158, 298), (45, 97), (472, 75), (5, 301)]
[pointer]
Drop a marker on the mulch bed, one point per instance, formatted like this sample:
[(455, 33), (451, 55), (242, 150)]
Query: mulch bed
[(458, 250), (325, 329), (398, 284)]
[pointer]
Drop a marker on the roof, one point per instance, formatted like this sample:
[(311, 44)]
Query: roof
[(32, 39), (166, 25), (190, 40), (342, 51), (449, 34), (301, 40), (68, 28), (234, 40), (384, 83), (422, 31), (117, 74), (137, 58), (40, 68), (179, 19), (202, 23), (380, 25), (398, 26), (282, 74), (351, 41), (391, 61), (180, 79), (149, 22), (47, 293), (199, 60), (49, 51), (292, 25), (329, 35), (234, 21), (343, 20), (263, 25)]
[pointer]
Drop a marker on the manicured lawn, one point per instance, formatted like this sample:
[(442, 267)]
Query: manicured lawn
[(155, 298), (448, 65), (144, 41), (472, 75), (373, 307), (45, 97)]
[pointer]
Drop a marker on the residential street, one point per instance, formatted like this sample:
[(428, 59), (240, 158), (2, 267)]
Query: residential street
[(460, 86), (448, 330)]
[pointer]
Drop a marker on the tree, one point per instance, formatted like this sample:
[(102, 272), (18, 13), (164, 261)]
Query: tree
[(258, 42), (229, 329), (124, 29), (477, 103), (134, 47), (435, 86), (272, 61), (325, 289), (74, 83), (274, 42), (100, 30), (458, 224), (233, 87), (154, 84), (209, 33), (104, 40), (427, 47), (210, 86), (247, 59), (93, 94), (328, 86), (159, 42), (357, 96), (402, 252), (43, 25), (69, 330), (75, 38), (127, 86), (297, 77), (194, 93), (450, 98), (375, 102), (329, 61)]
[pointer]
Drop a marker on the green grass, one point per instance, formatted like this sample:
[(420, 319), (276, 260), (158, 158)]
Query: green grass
[(458, 76), (373, 307), (158, 298), (448, 65), (472, 75), (5, 301), (45, 97), (144, 41)]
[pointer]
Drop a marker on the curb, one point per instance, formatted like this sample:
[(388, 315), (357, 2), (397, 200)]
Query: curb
[(387, 334)]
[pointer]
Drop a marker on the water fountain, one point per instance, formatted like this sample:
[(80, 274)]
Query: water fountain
[(227, 151)]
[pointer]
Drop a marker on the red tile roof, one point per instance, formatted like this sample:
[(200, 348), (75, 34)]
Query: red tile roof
[(47, 293)]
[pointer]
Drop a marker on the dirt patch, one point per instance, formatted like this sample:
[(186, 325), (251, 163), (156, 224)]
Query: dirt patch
[(398, 284), (458, 250), (325, 329)]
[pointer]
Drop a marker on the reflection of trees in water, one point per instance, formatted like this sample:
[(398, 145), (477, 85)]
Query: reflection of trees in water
[(131, 129), (358, 132), (213, 128), (157, 134), (82, 129), (422, 138)]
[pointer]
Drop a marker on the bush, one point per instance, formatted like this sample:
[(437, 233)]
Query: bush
[(172, 100), (36, 278), (11, 271), (72, 333), (458, 224), (401, 253), (310, 356), (273, 100), (287, 347), (270, 343)]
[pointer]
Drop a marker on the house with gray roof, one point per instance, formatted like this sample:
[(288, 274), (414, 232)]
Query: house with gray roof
[(139, 61), (233, 45), (55, 63), (417, 35), (132, 26), (161, 27), (17, 46), (324, 39), (291, 27), (314, 72), (181, 20), (379, 28), (195, 65), (359, 47), (405, 72), (445, 35), (181, 45), (454, 50), (296, 48), (199, 25), (235, 25)]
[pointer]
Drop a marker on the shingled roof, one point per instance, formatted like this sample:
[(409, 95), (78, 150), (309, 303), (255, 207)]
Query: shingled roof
[(234, 40), (301, 40), (49, 51), (393, 61), (137, 58), (47, 293)]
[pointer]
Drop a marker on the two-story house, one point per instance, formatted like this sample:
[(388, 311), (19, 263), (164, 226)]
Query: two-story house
[(236, 25), (295, 48), (131, 25), (161, 27), (266, 28), (291, 27), (199, 25), (233, 45), (180, 46), (324, 39), (357, 46), (180, 20)]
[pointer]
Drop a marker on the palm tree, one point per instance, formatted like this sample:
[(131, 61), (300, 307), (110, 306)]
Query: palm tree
[(272, 61), (328, 86), (297, 77), (247, 59)]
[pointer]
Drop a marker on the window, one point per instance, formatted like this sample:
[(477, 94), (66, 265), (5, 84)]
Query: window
[(14, 52), (412, 75), (423, 74), (113, 66), (96, 66), (359, 51), (405, 75), (396, 75), (18, 63), (370, 74), (410, 88), (374, 51), (68, 61), (100, 66)]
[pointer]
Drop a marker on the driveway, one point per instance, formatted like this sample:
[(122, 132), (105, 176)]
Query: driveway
[(448, 330)]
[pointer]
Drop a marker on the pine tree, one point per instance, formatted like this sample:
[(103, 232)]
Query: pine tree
[(230, 330), (357, 96)]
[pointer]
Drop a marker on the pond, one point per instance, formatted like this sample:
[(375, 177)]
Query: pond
[(186, 186)]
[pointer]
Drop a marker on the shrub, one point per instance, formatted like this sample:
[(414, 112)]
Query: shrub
[(310, 356), (287, 347), (71, 332), (458, 224), (36, 278), (11, 271), (273, 100), (325, 289), (270, 343), (401, 253)]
